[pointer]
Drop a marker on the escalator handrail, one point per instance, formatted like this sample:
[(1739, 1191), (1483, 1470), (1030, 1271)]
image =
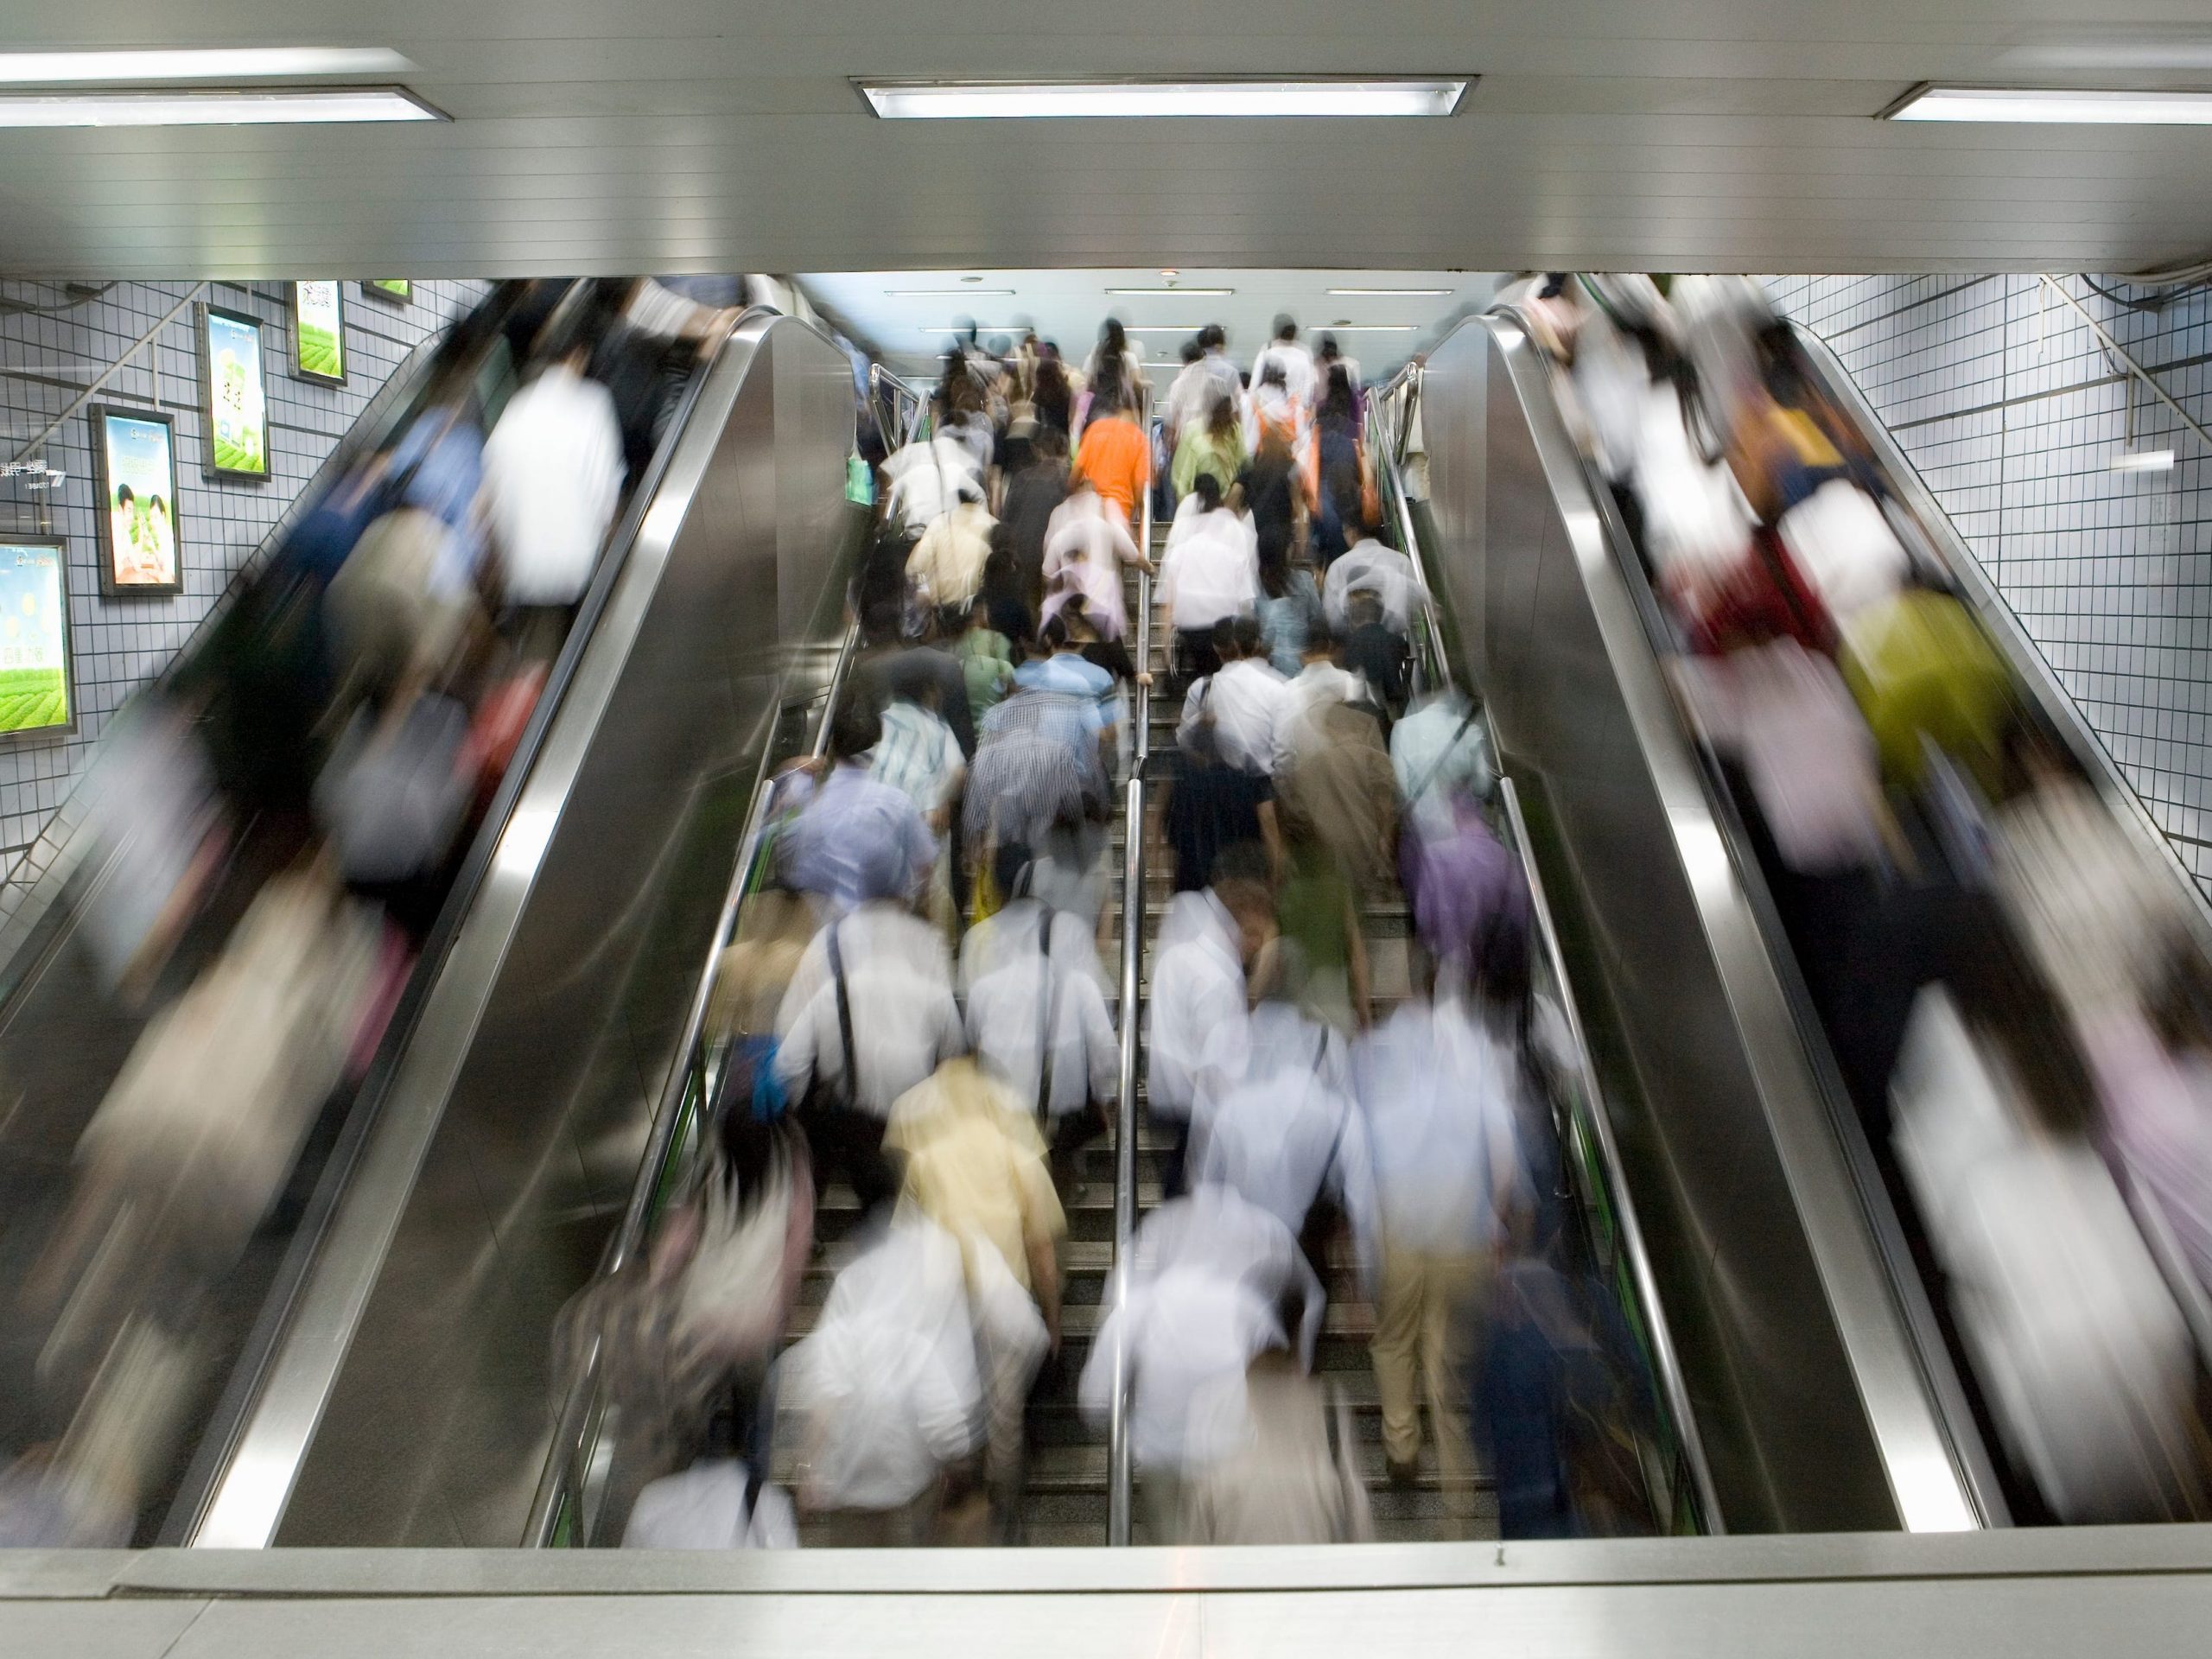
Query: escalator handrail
[(256, 1468), (1585, 1107), (1119, 1462), (564, 1481), (1939, 1471)]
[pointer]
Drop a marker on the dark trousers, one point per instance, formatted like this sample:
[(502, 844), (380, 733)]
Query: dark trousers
[(1173, 1135), (849, 1140), (1065, 1136), (1194, 654)]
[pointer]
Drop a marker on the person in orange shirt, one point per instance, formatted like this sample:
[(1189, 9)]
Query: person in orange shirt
[(1116, 455)]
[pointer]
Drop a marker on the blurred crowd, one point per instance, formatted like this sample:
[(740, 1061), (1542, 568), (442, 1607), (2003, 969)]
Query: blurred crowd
[(915, 1011), (2016, 993), (278, 823)]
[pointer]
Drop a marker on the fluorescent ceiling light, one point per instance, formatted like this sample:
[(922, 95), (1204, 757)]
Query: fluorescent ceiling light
[(1364, 293), (1164, 327), (1363, 328), (2028, 103), (197, 63), (227, 109), (1136, 100), (2144, 460), (945, 293), (1176, 292)]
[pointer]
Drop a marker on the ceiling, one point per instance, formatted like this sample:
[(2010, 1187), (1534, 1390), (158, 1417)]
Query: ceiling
[(721, 134), (908, 329)]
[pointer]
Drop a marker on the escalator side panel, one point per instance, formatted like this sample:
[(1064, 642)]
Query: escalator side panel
[(1814, 1408), (438, 1426)]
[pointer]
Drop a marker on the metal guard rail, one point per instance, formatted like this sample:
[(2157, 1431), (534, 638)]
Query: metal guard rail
[(1119, 1467), (1585, 1129)]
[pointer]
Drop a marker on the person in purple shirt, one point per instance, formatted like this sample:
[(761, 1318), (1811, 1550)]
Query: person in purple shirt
[(855, 839)]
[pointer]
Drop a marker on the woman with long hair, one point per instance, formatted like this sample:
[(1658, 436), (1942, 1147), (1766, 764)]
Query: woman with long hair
[(1215, 445)]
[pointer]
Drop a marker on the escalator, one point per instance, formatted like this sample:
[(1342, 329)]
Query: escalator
[(66, 1030), (399, 1394), (1830, 1391)]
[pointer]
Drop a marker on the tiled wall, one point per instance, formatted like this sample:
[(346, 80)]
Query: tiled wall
[(2013, 412), (52, 345)]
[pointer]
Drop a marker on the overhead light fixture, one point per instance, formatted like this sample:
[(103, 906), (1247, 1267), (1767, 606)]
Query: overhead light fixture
[(945, 293), (197, 63), (225, 109), (2052, 104), (1139, 98), (1164, 327), (1365, 328), (2144, 460), (963, 328), (1371, 293), (1175, 293)]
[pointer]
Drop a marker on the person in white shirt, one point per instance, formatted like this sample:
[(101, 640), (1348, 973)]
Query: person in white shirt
[(1301, 378), (1290, 1130), (1196, 1032), (1027, 970), (1211, 570), (1319, 683), (1208, 1273), (1088, 542), (1366, 563), (553, 473), (869, 1014), (1187, 394), (927, 478), (1440, 1085), (1244, 700)]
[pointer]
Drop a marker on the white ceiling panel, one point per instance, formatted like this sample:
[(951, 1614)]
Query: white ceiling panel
[(723, 134), (1067, 307)]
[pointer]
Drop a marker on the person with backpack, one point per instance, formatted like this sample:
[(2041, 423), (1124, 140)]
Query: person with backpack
[(869, 1014), (1035, 994), (1243, 701)]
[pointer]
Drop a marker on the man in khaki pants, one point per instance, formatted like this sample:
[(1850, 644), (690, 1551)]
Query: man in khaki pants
[(1438, 1085)]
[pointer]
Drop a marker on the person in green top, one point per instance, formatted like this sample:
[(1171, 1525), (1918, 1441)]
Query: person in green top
[(1214, 445), (985, 659)]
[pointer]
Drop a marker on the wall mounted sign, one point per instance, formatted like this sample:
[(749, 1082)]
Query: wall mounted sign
[(318, 332), (396, 290), (38, 683), (233, 399), (133, 455)]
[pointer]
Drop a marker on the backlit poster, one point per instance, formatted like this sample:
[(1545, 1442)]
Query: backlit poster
[(318, 332), (134, 455), (232, 399), (37, 692)]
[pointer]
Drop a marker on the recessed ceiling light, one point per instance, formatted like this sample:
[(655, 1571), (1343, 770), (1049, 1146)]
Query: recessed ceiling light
[(1350, 293), (949, 100), (1367, 328), (225, 108), (2029, 103), (197, 63), (1163, 328), (945, 293), (1178, 292), (963, 326)]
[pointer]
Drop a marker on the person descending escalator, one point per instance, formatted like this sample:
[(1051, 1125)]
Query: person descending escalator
[(553, 471)]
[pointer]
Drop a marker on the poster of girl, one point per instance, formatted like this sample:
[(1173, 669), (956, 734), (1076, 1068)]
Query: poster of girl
[(134, 454)]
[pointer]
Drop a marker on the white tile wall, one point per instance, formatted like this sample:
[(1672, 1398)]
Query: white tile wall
[(52, 346), (2013, 411)]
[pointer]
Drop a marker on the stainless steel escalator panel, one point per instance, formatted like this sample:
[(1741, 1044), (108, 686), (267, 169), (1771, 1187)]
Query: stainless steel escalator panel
[(405, 1401), (1815, 1400)]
